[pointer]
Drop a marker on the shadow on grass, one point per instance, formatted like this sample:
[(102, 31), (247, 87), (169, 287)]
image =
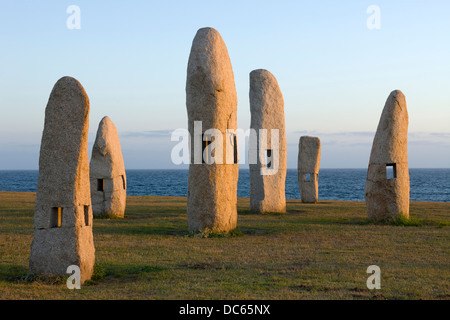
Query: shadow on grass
[(127, 229), (207, 265), (142, 214), (179, 228), (253, 231), (208, 233), (17, 213), (123, 272), (119, 227), (12, 273), (364, 221), (153, 213), (411, 222), (367, 222), (102, 272), (247, 212)]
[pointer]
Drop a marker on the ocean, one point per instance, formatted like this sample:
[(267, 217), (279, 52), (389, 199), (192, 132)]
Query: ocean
[(334, 184)]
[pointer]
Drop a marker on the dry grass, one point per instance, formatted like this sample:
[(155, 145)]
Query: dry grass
[(316, 251)]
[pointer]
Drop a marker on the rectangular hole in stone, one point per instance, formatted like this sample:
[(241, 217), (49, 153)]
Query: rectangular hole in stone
[(391, 171), (205, 143), (100, 184), (307, 177), (269, 159), (235, 150), (124, 183), (86, 215), (56, 217)]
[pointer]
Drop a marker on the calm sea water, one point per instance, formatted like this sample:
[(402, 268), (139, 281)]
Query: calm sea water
[(334, 184)]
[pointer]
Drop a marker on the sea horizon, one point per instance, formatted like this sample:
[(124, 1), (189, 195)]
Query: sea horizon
[(341, 184), (337, 168)]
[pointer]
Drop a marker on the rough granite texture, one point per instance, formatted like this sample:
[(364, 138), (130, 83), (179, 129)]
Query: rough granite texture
[(211, 98), (110, 193), (267, 191), (64, 182), (309, 163), (389, 198)]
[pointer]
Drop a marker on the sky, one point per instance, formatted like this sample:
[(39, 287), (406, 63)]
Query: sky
[(334, 71)]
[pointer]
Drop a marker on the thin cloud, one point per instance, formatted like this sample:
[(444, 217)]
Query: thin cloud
[(361, 138), (151, 134), (343, 133)]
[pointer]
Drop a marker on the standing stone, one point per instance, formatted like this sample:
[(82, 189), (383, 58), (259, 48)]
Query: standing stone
[(308, 168), (267, 191), (108, 178), (63, 213), (211, 98), (387, 184)]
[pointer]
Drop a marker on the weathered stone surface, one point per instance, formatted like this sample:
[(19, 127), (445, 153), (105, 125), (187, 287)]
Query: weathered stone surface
[(308, 168), (267, 191), (64, 183), (211, 98), (107, 172), (387, 197)]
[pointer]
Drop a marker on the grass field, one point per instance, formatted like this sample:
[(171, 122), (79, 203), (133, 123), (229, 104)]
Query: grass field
[(314, 251)]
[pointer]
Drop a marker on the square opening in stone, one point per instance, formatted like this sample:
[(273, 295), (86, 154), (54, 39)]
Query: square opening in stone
[(206, 141), (235, 149), (124, 183), (100, 184), (86, 215), (391, 171), (307, 177), (269, 163), (56, 217)]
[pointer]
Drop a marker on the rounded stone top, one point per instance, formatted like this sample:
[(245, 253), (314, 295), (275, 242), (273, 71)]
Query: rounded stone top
[(67, 99), (390, 141), (396, 99), (262, 73), (207, 38), (264, 78), (68, 103), (68, 80), (106, 133), (106, 121), (206, 30), (63, 159), (397, 94), (66, 83), (107, 138), (210, 87), (267, 105), (107, 159)]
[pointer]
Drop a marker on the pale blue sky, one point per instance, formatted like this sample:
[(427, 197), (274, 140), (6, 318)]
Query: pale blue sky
[(131, 57)]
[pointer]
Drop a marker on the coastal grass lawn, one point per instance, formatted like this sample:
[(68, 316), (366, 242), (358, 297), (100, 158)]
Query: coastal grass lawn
[(314, 251)]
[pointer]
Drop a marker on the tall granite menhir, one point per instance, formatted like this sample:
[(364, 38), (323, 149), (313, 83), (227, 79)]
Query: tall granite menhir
[(107, 172), (63, 213), (308, 168), (387, 184), (211, 102), (267, 189)]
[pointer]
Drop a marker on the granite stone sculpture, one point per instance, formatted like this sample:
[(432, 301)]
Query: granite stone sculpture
[(267, 189), (63, 212), (107, 173), (308, 168), (387, 184), (211, 102)]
